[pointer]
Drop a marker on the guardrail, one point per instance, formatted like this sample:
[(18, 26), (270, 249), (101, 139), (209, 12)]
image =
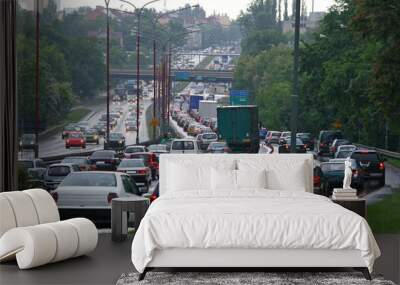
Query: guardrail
[(384, 152)]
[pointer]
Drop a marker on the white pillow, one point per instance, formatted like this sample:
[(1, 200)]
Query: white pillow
[(251, 178), (182, 177), (278, 178), (223, 179)]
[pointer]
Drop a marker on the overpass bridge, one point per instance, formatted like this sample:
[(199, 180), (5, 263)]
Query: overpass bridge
[(231, 54), (188, 75)]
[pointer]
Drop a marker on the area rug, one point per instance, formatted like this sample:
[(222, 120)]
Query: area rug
[(253, 278)]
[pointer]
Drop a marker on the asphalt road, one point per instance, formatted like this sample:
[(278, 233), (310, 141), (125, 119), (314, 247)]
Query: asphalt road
[(55, 145)]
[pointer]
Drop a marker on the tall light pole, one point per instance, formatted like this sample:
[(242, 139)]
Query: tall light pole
[(295, 95), (107, 2), (37, 80), (138, 12)]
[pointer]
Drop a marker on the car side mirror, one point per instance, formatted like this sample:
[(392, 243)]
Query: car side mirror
[(146, 195)]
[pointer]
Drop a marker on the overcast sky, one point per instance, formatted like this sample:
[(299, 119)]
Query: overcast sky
[(230, 7)]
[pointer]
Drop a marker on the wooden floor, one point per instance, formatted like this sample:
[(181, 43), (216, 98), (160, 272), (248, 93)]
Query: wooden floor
[(110, 260)]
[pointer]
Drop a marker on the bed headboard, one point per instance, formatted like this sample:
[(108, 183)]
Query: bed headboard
[(204, 160)]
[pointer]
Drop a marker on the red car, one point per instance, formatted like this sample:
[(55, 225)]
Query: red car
[(150, 160), (75, 139)]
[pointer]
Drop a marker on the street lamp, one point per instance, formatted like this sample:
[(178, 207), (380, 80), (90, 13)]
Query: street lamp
[(37, 79), (295, 95), (138, 12), (107, 2)]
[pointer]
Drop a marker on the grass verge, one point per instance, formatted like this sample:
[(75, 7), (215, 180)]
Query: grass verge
[(394, 162), (384, 216)]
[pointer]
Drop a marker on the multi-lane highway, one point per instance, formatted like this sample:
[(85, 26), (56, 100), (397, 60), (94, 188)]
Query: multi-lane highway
[(54, 145)]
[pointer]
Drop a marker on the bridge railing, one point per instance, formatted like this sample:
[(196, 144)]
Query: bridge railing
[(384, 152)]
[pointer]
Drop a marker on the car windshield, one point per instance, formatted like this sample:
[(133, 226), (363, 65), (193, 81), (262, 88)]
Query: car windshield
[(209, 136), (365, 156), (75, 160), (141, 156), (276, 134), (58, 170), (132, 163), (90, 179), (116, 136), (134, 149), (26, 164), (344, 154), (337, 166), (102, 154), (157, 148), (330, 136), (218, 145), (75, 135), (183, 145)]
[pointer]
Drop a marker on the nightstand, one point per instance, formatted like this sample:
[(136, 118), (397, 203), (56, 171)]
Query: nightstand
[(358, 206)]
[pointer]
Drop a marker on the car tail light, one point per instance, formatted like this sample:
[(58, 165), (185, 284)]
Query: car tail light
[(55, 196), (355, 173), (153, 197), (81, 141), (67, 141), (111, 196), (317, 181), (141, 171), (321, 144), (381, 166)]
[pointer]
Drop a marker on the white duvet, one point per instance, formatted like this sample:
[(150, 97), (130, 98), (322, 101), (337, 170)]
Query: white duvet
[(256, 218)]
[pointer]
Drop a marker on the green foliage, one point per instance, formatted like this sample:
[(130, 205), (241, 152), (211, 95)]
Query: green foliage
[(384, 216)]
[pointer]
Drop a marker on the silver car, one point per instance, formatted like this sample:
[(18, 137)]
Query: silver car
[(57, 172)]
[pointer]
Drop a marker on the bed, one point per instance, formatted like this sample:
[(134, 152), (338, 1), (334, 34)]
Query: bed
[(246, 211)]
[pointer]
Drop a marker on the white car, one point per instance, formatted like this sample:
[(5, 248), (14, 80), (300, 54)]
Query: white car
[(93, 189), (344, 151), (184, 146)]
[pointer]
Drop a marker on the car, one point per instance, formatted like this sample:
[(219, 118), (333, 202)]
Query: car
[(104, 160), (116, 141), (82, 161), (56, 173), (35, 168), (75, 139), (83, 126), (347, 147), (101, 128), (92, 136), (137, 170), (158, 149), (28, 141), (130, 126), (343, 153), (284, 135), (184, 146), (89, 194), (68, 129), (325, 139), (332, 175), (371, 165), (203, 140), (129, 150), (285, 146), (336, 143), (218, 147), (150, 160), (307, 140), (273, 137)]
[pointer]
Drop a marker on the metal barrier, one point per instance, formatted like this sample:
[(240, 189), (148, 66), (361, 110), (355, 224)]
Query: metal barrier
[(383, 152)]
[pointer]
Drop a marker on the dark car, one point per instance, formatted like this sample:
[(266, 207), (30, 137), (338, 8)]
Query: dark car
[(371, 164), (307, 139), (116, 141), (92, 136), (332, 175), (137, 170), (129, 150), (104, 160), (28, 141), (82, 161), (336, 143), (285, 146), (101, 128), (150, 160), (325, 140), (35, 168), (56, 173)]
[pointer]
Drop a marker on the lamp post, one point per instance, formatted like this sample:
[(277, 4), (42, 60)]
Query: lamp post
[(138, 12), (107, 2), (295, 95), (37, 79)]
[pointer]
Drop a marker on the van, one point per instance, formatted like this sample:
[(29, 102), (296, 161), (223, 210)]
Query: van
[(325, 140), (184, 146)]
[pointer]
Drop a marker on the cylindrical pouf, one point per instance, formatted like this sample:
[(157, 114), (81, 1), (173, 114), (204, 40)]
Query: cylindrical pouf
[(46, 207), (7, 218), (34, 246), (87, 235), (67, 240), (23, 208)]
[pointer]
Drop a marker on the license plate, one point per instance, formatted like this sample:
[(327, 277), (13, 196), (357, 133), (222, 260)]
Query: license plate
[(375, 174), (131, 172), (100, 163)]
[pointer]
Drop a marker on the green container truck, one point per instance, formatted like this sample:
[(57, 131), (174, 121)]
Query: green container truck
[(238, 126)]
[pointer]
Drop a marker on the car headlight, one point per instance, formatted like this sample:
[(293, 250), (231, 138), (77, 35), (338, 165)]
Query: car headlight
[(96, 137), (120, 141)]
